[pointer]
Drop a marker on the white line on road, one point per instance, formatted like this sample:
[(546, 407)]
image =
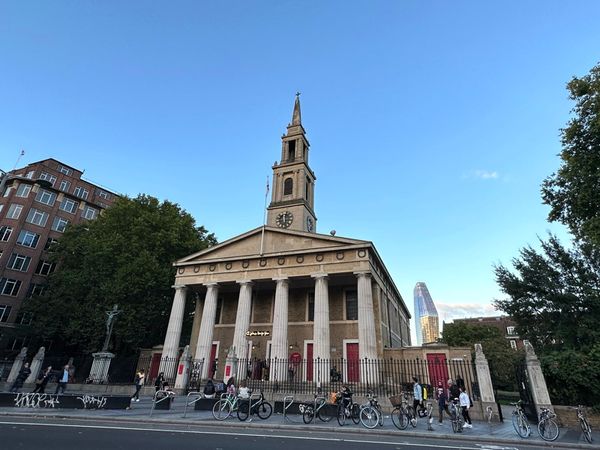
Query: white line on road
[(219, 433)]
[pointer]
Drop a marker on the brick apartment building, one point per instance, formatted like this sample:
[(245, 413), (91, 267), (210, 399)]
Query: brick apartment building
[(503, 323), (37, 202)]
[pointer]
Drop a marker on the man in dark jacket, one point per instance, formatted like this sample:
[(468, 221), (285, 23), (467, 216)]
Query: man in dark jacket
[(21, 377)]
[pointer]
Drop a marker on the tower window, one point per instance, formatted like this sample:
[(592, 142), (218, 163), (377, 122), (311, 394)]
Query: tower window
[(291, 150), (288, 186), (307, 188)]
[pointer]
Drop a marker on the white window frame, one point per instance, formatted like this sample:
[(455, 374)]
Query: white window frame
[(13, 291), (14, 211), (59, 224), (28, 236), (19, 262), (513, 344), (81, 192), (45, 197), (510, 331), (65, 185), (102, 194), (48, 177), (5, 233), (74, 206), (5, 311), (37, 217), (30, 174), (86, 212), (65, 170), (23, 190), (44, 266)]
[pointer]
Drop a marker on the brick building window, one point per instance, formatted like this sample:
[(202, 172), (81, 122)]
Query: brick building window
[(14, 211), (9, 287), (69, 206), (45, 197), (351, 305), (5, 233), (44, 267), (23, 190), (28, 239), (37, 217), (4, 312), (19, 262)]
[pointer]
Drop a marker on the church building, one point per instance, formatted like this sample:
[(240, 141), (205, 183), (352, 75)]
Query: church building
[(286, 294)]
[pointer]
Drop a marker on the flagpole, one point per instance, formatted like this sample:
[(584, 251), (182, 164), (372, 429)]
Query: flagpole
[(262, 235)]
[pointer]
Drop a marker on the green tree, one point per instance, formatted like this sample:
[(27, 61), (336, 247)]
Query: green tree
[(502, 358), (574, 190), (124, 257)]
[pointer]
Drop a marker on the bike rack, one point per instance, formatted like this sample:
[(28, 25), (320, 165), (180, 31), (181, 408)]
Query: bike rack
[(167, 396), (188, 403), (288, 400), (429, 416), (251, 404)]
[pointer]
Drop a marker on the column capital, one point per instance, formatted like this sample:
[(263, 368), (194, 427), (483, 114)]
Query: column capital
[(319, 275), (281, 279), (363, 273), (245, 282), (179, 286), (211, 284)]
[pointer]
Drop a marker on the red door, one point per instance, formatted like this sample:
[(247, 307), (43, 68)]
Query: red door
[(309, 362), (212, 368), (438, 369), (352, 368), (154, 366)]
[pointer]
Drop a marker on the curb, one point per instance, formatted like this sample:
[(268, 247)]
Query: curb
[(302, 427)]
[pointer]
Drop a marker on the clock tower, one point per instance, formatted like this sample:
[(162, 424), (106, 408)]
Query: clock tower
[(292, 199)]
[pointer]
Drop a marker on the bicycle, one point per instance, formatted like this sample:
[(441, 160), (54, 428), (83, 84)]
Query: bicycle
[(456, 417), (347, 411), (370, 413), (260, 407), (318, 409), (403, 413), (583, 422), (519, 420), (547, 426), (227, 405)]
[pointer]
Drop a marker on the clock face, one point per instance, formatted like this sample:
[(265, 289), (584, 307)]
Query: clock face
[(284, 219), (309, 224)]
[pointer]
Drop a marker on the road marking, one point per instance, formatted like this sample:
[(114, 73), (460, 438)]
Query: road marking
[(495, 447), (220, 433)]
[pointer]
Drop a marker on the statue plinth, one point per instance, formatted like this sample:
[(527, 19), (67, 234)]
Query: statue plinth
[(100, 366)]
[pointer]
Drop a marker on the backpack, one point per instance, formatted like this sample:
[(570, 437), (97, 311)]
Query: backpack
[(424, 392)]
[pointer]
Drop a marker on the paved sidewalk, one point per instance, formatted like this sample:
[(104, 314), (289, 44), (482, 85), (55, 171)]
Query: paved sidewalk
[(497, 433)]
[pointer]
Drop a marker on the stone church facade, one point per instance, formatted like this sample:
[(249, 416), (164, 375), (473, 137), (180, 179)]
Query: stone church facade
[(283, 291)]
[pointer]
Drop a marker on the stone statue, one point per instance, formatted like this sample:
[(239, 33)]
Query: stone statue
[(109, 325)]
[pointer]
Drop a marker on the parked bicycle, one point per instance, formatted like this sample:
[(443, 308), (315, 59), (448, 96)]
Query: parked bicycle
[(547, 426), (519, 420), (260, 407), (456, 417), (227, 405), (370, 413), (347, 410), (403, 412), (583, 422), (316, 409)]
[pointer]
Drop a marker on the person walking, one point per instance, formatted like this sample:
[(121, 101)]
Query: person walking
[(465, 403), (42, 380), (442, 399), (158, 383), (417, 396), (63, 379), (139, 382), (21, 377)]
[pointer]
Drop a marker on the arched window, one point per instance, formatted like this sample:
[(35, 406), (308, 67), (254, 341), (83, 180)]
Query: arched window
[(288, 186)]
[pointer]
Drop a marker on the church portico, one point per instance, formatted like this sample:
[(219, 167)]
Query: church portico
[(285, 293)]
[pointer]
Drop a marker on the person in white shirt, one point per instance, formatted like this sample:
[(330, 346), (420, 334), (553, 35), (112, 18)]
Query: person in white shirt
[(243, 391), (63, 379), (465, 403)]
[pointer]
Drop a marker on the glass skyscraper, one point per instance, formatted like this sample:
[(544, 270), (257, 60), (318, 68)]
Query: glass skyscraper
[(426, 316)]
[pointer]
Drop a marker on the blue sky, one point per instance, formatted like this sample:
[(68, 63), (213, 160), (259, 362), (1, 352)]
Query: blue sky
[(431, 123)]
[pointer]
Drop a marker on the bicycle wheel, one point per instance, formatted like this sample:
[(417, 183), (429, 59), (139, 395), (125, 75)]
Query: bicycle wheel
[(243, 411), (399, 418), (548, 430), (355, 413), (587, 430), (369, 417), (520, 425), (341, 415), (264, 410), (221, 410), (322, 414), (308, 414)]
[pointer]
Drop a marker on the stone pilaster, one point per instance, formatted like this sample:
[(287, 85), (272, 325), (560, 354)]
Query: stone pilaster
[(321, 339), (279, 343), (183, 369), (367, 347), (207, 326), (17, 364), (486, 388), (171, 346), (242, 320), (36, 365), (537, 382)]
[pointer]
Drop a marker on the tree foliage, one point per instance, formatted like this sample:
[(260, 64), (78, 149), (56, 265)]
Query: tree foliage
[(574, 190), (124, 257)]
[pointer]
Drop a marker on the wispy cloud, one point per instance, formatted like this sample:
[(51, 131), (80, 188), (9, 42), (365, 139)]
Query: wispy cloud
[(450, 311), (486, 174)]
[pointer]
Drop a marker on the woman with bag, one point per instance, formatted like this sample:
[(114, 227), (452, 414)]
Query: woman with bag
[(42, 380)]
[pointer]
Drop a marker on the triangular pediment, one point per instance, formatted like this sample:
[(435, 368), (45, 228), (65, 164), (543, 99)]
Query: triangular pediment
[(274, 241)]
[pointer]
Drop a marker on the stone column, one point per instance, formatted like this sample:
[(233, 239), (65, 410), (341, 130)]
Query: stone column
[(242, 321), (484, 379), (207, 327), (367, 345), (537, 382), (183, 369), (321, 339), (168, 360), (36, 365), (17, 364), (279, 343)]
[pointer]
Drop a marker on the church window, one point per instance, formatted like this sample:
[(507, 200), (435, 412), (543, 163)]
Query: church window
[(351, 305), (291, 150), (307, 188), (288, 186)]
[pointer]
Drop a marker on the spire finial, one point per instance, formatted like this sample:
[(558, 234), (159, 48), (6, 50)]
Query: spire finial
[(296, 117)]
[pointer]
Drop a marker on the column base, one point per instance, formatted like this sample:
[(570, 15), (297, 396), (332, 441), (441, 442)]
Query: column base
[(100, 366)]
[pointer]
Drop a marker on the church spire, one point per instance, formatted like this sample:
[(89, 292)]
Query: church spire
[(296, 116)]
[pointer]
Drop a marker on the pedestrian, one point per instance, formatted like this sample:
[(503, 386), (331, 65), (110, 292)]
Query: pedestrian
[(231, 387), (63, 379), (417, 396), (244, 392), (209, 389), (21, 377), (442, 399), (465, 403), (158, 383), (139, 382), (42, 380), (214, 367), (453, 390)]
